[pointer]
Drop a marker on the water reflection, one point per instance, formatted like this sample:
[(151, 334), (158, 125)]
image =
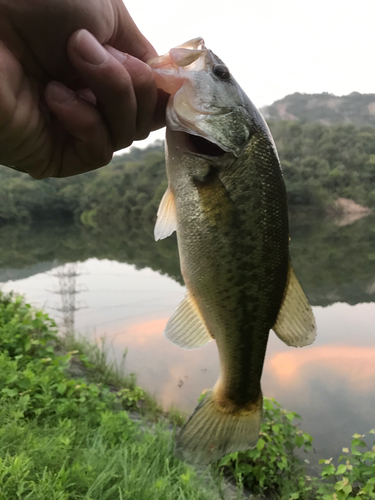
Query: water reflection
[(331, 383), (334, 264), (353, 365)]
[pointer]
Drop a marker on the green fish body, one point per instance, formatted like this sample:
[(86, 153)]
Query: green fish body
[(227, 202)]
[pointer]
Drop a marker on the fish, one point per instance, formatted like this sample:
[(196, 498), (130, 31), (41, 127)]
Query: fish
[(227, 202)]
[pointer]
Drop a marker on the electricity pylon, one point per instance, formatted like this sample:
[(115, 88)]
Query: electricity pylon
[(68, 290)]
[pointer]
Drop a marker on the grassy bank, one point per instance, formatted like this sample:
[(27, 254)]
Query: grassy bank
[(72, 427), (68, 438)]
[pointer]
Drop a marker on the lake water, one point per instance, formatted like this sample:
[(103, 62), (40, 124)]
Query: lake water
[(129, 287)]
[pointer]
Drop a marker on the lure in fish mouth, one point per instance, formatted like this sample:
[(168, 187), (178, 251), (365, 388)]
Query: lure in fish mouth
[(227, 202)]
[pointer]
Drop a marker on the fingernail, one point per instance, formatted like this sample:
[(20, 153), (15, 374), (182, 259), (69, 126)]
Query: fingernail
[(120, 56), (90, 49), (59, 93)]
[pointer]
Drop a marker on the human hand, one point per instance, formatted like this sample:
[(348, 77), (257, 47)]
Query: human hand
[(69, 99)]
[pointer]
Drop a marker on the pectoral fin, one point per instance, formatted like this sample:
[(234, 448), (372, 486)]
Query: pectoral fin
[(186, 327), (295, 323), (166, 221)]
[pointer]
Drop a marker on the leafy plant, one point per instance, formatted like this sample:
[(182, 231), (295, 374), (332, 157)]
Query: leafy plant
[(276, 469), (25, 332), (273, 467), (354, 477)]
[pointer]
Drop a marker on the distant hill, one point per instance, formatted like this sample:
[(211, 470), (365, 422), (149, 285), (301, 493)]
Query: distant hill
[(327, 109)]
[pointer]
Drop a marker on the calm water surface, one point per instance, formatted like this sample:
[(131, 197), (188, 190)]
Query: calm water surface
[(330, 384)]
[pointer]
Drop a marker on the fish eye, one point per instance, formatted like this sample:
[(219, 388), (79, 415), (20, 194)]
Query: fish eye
[(221, 71)]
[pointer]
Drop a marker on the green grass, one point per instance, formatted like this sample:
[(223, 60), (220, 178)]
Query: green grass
[(97, 365), (70, 438), (67, 459), (65, 437), (92, 358)]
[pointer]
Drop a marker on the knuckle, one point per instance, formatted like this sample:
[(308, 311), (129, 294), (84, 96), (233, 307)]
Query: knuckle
[(89, 128), (43, 170), (142, 134), (39, 176), (95, 155), (144, 78), (96, 151), (9, 86), (103, 157), (124, 141), (8, 108), (116, 82)]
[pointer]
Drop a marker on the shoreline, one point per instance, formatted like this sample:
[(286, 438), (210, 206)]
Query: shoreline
[(62, 403)]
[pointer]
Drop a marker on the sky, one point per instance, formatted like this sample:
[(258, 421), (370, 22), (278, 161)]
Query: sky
[(272, 47)]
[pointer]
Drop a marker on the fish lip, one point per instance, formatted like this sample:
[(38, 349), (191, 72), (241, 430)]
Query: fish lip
[(195, 139)]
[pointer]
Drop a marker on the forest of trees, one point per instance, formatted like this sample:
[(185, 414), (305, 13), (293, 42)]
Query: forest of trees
[(115, 193), (110, 213), (320, 164)]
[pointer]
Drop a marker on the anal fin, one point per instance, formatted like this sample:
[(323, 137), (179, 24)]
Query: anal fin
[(186, 327), (295, 324)]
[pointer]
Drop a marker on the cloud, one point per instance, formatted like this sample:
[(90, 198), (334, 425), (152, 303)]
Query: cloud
[(353, 364)]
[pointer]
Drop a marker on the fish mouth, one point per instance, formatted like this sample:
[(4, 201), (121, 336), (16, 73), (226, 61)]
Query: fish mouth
[(202, 146)]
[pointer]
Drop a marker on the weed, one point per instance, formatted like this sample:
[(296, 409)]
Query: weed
[(273, 467), (354, 477)]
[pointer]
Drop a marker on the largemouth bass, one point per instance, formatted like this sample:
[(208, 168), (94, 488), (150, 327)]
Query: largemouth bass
[(227, 202)]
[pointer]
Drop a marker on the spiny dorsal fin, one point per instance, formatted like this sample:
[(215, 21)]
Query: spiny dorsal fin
[(166, 221), (186, 327), (295, 323)]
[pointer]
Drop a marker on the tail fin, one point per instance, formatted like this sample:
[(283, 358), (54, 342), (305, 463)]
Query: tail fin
[(212, 432)]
